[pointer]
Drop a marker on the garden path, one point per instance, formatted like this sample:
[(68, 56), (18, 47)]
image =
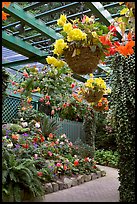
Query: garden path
[(104, 189)]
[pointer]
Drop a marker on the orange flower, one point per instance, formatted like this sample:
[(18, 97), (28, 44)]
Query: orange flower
[(106, 108), (99, 104), (52, 144), (4, 15), (129, 36), (50, 135), (65, 167), (126, 49), (23, 108), (6, 4), (42, 139), (15, 137), (25, 146)]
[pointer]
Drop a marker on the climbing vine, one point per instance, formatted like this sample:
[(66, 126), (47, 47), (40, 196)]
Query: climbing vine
[(123, 109)]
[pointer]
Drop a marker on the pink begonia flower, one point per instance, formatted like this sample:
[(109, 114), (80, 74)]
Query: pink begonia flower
[(35, 156), (58, 164), (70, 144), (57, 142), (52, 112), (49, 153), (47, 103)]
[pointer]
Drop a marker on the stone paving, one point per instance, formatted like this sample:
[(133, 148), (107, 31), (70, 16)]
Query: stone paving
[(104, 189)]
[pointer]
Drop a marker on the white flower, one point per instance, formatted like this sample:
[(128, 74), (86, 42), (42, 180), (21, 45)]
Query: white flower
[(75, 156), (24, 124), (37, 125), (63, 136), (58, 139), (62, 143), (21, 119), (10, 145)]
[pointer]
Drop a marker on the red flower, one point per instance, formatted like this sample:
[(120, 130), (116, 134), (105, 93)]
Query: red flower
[(75, 26), (39, 173), (86, 159), (42, 139), (104, 40), (116, 44), (25, 74), (35, 139), (112, 28), (50, 135), (47, 97), (25, 146), (76, 163), (72, 85)]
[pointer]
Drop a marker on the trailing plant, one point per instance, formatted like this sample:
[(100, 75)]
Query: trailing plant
[(123, 121), (89, 127)]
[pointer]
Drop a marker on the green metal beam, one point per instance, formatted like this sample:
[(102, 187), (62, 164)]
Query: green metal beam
[(103, 14), (52, 11), (29, 19), (16, 44)]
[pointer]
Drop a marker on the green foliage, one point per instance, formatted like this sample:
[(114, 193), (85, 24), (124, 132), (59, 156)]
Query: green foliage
[(18, 175), (106, 157), (105, 137), (83, 149), (48, 125), (89, 127), (123, 121), (5, 81)]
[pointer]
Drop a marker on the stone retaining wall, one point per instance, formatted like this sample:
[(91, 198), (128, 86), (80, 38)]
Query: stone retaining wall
[(68, 182)]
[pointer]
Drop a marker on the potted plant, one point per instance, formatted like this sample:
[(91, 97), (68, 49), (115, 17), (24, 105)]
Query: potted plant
[(93, 89)]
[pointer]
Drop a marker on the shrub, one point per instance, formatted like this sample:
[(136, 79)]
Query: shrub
[(107, 157)]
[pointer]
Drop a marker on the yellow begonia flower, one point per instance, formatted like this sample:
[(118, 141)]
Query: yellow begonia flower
[(95, 35), (76, 34), (55, 62), (67, 27), (91, 75), (59, 46), (87, 20), (62, 20), (108, 90)]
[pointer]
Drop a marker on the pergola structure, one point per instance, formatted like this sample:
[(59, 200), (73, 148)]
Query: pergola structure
[(30, 36)]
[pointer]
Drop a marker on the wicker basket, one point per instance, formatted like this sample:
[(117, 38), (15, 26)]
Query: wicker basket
[(91, 96), (99, 108), (84, 63)]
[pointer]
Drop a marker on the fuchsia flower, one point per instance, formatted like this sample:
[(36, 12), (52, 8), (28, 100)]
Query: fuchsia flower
[(50, 153), (47, 103), (41, 99), (47, 97)]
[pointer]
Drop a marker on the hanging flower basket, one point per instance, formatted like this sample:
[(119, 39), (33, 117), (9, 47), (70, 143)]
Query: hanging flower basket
[(93, 96), (101, 105), (84, 62)]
